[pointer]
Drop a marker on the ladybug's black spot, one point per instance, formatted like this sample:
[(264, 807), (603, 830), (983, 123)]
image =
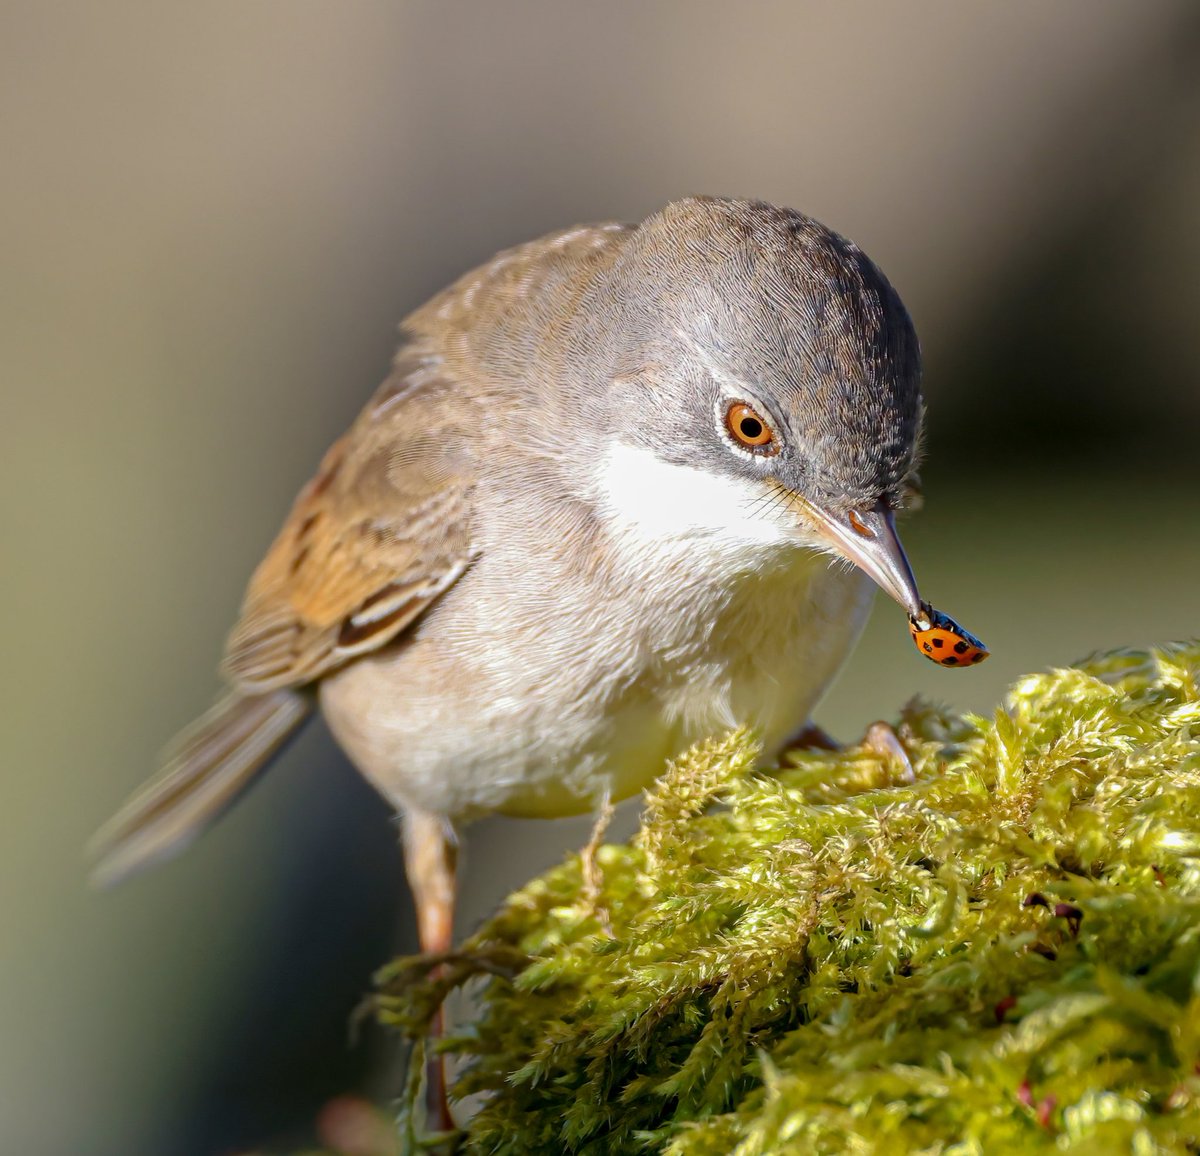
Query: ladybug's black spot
[(978, 657), (938, 643), (960, 648), (949, 660), (928, 648)]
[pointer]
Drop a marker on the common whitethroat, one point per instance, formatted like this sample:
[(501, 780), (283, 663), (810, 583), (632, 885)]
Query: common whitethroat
[(587, 520)]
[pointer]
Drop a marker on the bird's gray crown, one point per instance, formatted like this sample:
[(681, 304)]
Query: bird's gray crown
[(744, 292)]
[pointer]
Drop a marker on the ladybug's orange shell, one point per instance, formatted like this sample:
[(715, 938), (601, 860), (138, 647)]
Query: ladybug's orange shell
[(947, 643)]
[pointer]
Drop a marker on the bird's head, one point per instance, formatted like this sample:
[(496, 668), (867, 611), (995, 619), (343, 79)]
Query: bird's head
[(763, 384)]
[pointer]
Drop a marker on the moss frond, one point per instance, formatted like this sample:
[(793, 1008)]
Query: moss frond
[(1000, 956)]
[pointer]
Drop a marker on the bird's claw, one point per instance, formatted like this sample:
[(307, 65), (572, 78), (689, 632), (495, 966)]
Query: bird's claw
[(882, 740)]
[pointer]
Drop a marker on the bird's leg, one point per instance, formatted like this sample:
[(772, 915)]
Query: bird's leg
[(430, 858), (589, 867), (880, 739)]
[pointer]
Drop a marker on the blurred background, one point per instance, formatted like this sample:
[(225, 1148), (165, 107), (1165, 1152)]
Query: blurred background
[(212, 217)]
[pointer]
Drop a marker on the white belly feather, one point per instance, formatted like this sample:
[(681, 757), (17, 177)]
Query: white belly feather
[(714, 617)]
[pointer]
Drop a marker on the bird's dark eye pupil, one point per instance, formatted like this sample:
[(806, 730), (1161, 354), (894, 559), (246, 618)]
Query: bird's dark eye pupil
[(751, 427)]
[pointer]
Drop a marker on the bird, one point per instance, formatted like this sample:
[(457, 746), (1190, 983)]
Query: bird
[(626, 486)]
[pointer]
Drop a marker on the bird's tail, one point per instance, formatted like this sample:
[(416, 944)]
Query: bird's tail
[(204, 770)]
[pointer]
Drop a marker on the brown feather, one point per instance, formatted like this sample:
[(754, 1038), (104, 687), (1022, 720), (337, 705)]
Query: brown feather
[(204, 771), (371, 541)]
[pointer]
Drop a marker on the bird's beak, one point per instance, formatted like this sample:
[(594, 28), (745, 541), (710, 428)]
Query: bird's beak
[(868, 539)]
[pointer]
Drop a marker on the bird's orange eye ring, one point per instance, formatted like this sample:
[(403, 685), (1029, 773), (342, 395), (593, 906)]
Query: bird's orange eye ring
[(749, 429)]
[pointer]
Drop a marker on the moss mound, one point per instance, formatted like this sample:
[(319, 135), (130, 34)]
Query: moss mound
[(1000, 956)]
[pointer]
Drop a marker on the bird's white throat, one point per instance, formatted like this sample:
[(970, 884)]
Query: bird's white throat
[(651, 503)]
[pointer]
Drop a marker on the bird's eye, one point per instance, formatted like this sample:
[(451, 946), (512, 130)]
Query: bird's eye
[(749, 429)]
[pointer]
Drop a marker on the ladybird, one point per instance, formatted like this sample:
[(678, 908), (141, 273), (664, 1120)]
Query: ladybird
[(942, 640)]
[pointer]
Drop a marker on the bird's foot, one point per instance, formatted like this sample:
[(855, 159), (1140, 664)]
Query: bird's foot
[(880, 739), (811, 737)]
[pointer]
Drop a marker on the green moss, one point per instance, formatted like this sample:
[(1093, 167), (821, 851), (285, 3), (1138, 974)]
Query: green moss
[(825, 958)]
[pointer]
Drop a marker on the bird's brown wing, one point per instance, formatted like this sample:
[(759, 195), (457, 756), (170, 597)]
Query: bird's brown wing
[(380, 532)]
